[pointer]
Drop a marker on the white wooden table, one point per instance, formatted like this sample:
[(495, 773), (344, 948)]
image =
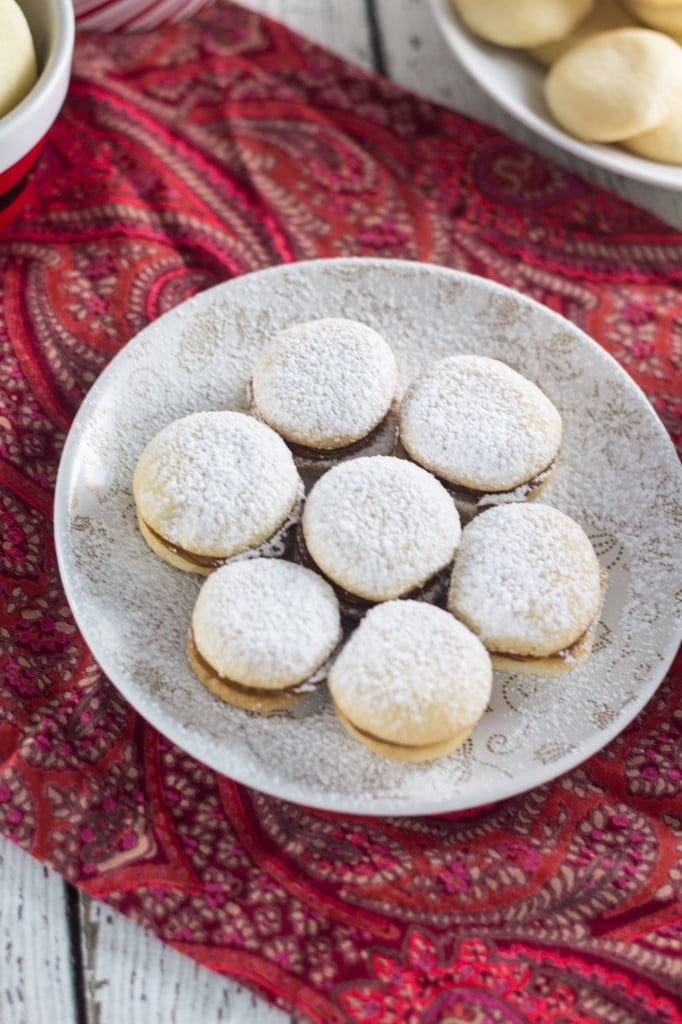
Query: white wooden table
[(66, 959)]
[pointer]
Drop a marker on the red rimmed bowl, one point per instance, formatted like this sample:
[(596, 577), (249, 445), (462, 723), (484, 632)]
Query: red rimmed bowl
[(24, 128)]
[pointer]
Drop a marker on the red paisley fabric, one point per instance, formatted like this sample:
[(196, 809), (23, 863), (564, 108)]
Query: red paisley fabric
[(185, 157)]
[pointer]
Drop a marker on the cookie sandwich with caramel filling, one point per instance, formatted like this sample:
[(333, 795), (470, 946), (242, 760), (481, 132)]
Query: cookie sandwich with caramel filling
[(379, 528), (527, 582), (329, 388), (411, 682), (215, 486), (262, 633), (489, 434)]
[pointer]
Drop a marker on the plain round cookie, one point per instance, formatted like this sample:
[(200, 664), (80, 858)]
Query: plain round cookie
[(604, 16), (379, 527), (325, 384), (615, 84), (18, 66), (477, 424), (214, 485), (522, 22), (263, 625), (526, 580), (411, 682), (664, 142)]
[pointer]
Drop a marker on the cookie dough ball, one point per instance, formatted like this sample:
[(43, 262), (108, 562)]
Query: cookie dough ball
[(262, 633), (329, 388), (214, 486), (412, 682), (615, 84), (604, 16), (663, 143), (662, 17), (18, 66), (527, 582), (379, 528), (522, 22), (488, 433)]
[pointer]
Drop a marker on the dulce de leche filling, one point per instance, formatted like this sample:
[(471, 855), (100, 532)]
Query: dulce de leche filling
[(484, 499), (565, 654), (251, 691), (575, 651), (207, 561), (388, 743), (409, 747), (321, 454), (214, 561), (433, 590), (385, 426)]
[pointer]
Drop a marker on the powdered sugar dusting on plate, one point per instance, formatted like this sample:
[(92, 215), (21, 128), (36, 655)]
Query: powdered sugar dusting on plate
[(478, 423), (380, 526), (325, 383), (134, 609), (266, 623)]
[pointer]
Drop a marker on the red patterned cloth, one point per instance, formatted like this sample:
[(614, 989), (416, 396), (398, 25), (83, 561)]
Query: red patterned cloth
[(185, 157)]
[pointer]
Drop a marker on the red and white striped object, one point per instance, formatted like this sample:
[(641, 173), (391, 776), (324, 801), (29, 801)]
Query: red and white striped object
[(132, 15)]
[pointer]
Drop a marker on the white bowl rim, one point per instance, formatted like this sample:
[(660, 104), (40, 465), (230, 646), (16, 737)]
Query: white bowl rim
[(473, 53), (24, 126)]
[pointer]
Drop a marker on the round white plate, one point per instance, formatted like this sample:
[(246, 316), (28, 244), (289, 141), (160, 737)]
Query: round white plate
[(515, 82), (617, 474)]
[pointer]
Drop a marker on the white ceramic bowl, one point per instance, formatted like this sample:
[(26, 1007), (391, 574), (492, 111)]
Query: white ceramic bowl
[(23, 129), (515, 82)]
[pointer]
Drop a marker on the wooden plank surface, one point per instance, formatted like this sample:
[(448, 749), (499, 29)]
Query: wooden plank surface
[(36, 979), (340, 25), (132, 977), (126, 975)]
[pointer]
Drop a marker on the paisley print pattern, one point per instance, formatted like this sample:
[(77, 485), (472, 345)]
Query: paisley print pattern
[(187, 156)]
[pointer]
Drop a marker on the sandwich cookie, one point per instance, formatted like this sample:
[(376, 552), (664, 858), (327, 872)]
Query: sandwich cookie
[(329, 388), (526, 580), (411, 682), (215, 486), (263, 632), (379, 528), (488, 434)]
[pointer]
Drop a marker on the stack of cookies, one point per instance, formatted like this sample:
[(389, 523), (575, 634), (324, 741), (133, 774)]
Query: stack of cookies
[(329, 523), (615, 66)]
